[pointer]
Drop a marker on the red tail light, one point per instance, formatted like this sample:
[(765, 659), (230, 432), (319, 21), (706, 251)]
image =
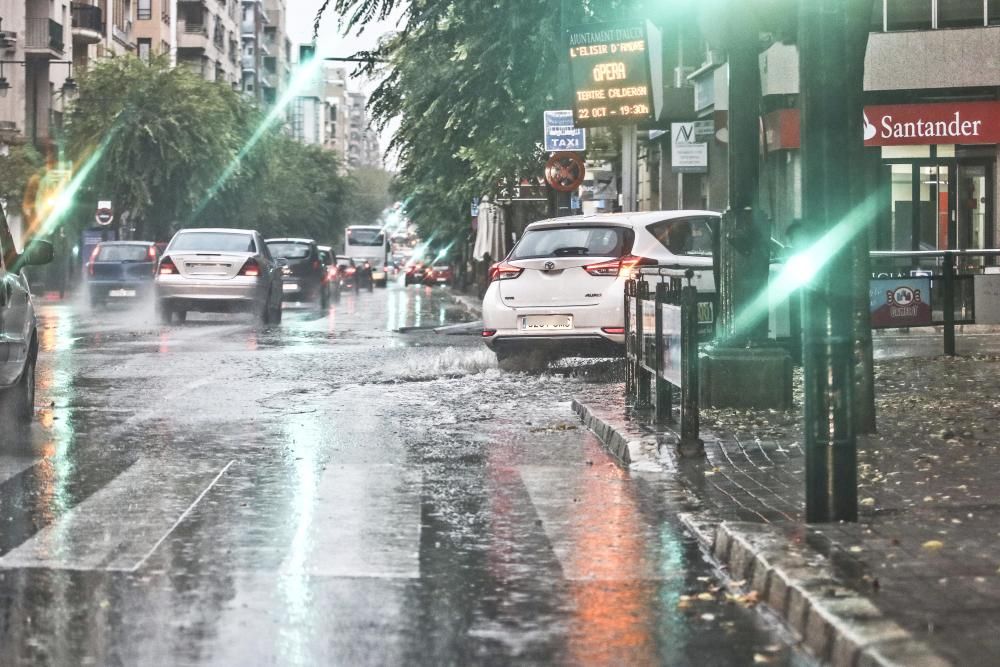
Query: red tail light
[(350, 270), (250, 268), (151, 252), (93, 258), (613, 330), (167, 267), (619, 267), (489, 332), (504, 271)]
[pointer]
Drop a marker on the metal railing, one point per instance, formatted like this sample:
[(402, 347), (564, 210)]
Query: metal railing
[(87, 17), (43, 34), (661, 347)]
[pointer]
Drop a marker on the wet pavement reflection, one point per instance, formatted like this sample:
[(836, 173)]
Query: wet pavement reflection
[(344, 488)]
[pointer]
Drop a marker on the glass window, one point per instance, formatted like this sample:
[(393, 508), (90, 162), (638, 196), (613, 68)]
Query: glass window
[(289, 250), (960, 13), (365, 236), (993, 12), (908, 14), (144, 10), (145, 46), (586, 241), (123, 253), (213, 242), (686, 236)]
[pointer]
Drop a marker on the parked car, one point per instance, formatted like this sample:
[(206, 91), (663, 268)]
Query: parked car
[(439, 274), (347, 273), (414, 273), (330, 279), (218, 270), (121, 271), (18, 331), (560, 291), (303, 272)]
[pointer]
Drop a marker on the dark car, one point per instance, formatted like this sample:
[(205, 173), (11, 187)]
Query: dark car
[(332, 278), (18, 335), (414, 273), (121, 271), (304, 273), (347, 273), (365, 273), (439, 274)]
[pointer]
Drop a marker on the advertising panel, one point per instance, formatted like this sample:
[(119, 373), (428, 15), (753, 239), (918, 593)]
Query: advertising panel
[(670, 367), (900, 302), (610, 72)]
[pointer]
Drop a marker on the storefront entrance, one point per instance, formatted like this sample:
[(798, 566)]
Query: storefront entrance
[(939, 204)]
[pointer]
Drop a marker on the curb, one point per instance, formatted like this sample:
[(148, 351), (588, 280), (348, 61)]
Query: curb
[(839, 626), (472, 305)]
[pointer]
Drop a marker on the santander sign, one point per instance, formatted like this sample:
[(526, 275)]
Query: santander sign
[(916, 124)]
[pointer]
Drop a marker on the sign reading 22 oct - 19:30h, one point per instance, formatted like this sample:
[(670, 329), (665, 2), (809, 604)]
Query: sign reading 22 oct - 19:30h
[(609, 67)]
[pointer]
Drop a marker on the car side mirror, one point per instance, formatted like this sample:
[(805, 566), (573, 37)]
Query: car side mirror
[(37, 253)]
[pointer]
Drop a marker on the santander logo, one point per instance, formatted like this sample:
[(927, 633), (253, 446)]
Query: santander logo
[(870, 130)]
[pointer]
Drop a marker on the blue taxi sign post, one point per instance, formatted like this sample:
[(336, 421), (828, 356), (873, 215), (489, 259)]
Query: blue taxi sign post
[(560, 133)]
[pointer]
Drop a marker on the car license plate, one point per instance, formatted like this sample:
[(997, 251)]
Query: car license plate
[(121, 293), (291, 287), (546, 322)]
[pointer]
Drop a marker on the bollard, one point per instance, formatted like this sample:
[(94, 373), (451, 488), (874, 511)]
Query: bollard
[(664, 391), (691, 444), (642, 379), (949, 303), (629, 344)]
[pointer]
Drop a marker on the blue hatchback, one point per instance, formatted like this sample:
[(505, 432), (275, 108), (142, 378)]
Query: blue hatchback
[(121, 271)]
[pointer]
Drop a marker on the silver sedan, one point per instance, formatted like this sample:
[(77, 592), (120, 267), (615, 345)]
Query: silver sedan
[(218, 270)]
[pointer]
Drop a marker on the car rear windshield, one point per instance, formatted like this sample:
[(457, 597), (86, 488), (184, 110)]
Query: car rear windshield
[(684, 236), (123, 253), (289, 250), (583, 241), (325, 257), (213, 242), (369, 237)]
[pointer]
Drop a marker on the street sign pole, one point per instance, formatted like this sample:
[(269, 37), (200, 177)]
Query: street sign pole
[(828, 364), (629, 167)]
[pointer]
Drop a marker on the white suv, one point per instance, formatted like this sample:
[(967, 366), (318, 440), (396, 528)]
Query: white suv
[(560, 291)]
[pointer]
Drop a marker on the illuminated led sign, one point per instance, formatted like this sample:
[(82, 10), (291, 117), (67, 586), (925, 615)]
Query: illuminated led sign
[(609, 67)]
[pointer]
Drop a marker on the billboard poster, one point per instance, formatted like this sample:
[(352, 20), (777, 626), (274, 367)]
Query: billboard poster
[(900, 302)]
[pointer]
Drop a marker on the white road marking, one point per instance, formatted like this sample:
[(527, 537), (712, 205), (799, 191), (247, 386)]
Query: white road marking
[(113, 528), (12, 466), (593, 524), (364, 521)]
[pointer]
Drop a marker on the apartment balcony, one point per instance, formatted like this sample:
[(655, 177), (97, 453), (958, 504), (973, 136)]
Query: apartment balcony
[(192, 36), (88, 24), (249, 63), (43, 37)]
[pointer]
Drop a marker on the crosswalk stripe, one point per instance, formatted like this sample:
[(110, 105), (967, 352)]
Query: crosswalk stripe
[(116, 527), (12, 466), (364, 521), (593, 524)]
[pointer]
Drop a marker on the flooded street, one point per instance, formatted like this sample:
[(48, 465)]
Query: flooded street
[(334, 491)]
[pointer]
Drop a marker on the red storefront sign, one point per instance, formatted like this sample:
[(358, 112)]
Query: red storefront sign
[(903, 125)]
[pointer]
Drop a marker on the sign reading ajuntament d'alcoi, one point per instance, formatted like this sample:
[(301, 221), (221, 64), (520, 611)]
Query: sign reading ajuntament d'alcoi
[(609, 67)]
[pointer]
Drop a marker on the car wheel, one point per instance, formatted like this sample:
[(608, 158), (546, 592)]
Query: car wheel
[(17, 404), (164, 312), (276, 313)]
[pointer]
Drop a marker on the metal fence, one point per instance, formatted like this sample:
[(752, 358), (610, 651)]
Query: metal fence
[(661, 346)]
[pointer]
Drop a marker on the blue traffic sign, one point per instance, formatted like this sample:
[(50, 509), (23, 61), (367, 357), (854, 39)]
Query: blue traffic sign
[(561, 134)]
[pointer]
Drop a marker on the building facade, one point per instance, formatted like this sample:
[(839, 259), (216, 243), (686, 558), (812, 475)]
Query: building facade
[(931, 126), (207, 39)]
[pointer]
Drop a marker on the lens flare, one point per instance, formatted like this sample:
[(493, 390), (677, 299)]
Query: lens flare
[(801, 269)]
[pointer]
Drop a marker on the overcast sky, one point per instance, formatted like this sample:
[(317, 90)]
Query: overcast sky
[(332, 41)]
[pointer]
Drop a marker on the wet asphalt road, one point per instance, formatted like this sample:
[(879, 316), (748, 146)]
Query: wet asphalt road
[(332, 492)]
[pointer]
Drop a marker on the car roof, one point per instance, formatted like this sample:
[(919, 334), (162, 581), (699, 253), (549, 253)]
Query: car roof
[(222, 230), (325, 248), (638, 219), (289, 240), (136, 243)]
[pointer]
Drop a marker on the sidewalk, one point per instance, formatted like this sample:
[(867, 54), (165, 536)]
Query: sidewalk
[(917, 580)]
